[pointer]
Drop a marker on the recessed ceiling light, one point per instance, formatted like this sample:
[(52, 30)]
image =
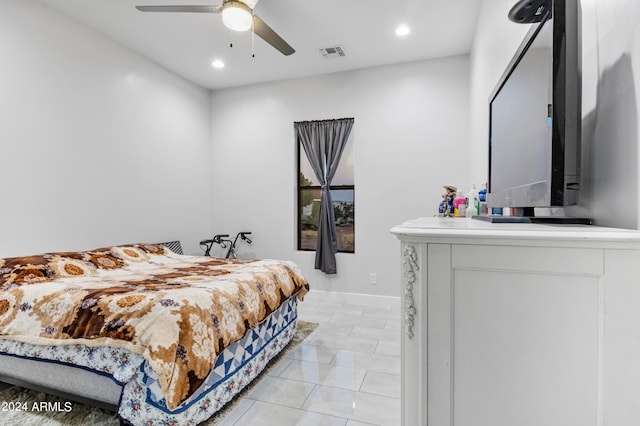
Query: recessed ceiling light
[(402, 31), (217, 64)]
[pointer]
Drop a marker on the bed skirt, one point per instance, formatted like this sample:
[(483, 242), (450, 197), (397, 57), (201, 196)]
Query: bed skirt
[(140, 401)]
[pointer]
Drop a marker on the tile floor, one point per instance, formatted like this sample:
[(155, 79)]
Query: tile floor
[(347, 372)]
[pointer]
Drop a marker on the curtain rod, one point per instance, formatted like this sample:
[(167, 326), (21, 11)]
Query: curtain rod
[(324, 121)]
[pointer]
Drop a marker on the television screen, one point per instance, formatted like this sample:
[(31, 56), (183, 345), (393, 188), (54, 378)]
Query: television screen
[(521, 128)]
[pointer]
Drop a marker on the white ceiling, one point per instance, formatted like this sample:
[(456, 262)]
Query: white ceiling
[(187, 43)]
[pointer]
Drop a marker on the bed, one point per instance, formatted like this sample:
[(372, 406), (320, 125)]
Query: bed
[(160, 337)]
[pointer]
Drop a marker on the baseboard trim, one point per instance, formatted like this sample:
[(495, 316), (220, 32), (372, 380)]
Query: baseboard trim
[(383, 302)]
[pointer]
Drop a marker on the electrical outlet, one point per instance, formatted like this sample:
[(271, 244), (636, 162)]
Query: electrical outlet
[(373, 279)]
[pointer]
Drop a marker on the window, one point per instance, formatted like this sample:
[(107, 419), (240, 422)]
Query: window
[(342, 195)]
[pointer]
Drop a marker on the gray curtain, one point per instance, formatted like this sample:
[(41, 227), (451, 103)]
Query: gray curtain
[(323, 142)]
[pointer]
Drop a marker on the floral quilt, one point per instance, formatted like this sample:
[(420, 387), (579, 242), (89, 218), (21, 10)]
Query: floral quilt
[(179, 312)]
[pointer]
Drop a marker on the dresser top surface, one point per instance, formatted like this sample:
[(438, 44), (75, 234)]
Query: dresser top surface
[(467, 228)]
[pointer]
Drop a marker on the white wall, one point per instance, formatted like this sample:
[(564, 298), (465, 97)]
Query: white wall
[(410, 138), (610, 76), (98, 145), (611, 114)]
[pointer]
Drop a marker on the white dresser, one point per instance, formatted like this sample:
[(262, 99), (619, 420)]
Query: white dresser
[(519, 324)]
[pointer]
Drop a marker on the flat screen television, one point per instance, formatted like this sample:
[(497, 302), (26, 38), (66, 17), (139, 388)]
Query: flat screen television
[(535, 121)]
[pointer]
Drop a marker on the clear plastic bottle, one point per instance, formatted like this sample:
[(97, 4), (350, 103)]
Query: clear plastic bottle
[(462, 209), (472, 202)]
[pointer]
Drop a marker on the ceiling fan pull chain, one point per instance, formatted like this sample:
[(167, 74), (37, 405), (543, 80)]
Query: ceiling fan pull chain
[(253, 37)]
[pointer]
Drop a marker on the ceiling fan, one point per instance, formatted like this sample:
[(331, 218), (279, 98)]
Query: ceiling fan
[(237, 15)]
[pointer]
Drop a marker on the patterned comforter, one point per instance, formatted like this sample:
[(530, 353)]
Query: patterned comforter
[(178, 311)]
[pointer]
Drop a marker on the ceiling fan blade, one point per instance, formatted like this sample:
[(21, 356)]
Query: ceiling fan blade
[(267, 34), (190, 9)]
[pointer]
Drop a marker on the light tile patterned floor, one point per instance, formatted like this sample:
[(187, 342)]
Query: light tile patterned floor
[(346, 373)]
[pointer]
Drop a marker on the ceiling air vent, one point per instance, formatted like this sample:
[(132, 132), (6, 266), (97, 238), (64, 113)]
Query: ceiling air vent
[(332, 52)]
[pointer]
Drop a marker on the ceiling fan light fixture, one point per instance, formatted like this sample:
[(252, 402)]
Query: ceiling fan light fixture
[(236, 16)]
